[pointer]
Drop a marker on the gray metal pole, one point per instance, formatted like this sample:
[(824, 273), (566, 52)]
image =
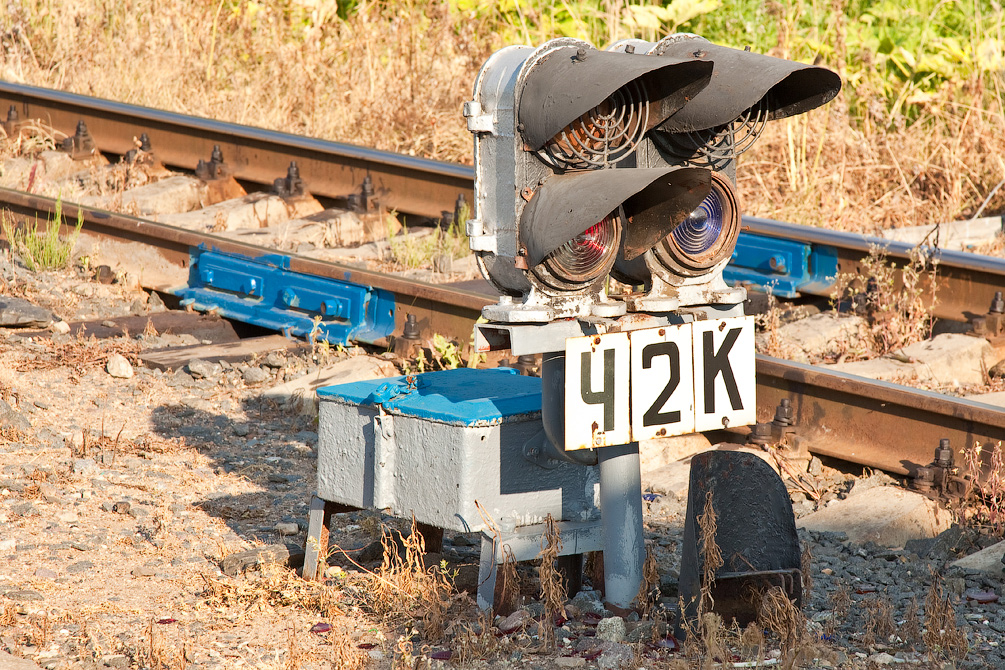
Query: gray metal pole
[(621, 518)]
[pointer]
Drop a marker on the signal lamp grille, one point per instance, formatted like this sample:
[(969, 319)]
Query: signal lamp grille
[(604, 135), (715, 147)]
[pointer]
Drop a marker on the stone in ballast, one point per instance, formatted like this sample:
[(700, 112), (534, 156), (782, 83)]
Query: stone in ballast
[(987, 560), (258, 210), (180, 193), (118, 367), (662, 451), (949, 358), (886, 515), (814, 337), (675, 477)]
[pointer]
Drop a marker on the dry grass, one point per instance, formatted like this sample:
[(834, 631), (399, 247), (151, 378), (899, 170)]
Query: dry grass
[(393, 75), (983, 502), (711, 557), (79, 355), (895, 299), (941, 635), (879, 623), (821, 169), (326, 77), (779, 615), (553, 587)]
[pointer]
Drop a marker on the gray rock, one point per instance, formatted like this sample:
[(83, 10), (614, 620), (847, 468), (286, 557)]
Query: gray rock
[(274, 360), (119, 367), (611, 629), (200, 369), (241, 429), (11, 417), (285, 528), (24, 595), (78, 567), (19, 313), (615, 655), (255, 375), (84, 466)]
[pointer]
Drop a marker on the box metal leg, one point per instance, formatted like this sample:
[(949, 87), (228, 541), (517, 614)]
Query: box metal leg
[(316, 547), (577, 537)]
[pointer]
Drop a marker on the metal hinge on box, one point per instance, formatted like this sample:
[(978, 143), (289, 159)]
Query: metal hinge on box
[(263, 291)]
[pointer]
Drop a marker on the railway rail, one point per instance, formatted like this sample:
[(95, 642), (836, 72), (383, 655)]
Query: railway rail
[(877, 424)]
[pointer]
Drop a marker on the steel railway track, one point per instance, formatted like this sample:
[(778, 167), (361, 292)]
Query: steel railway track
[(877, 424)]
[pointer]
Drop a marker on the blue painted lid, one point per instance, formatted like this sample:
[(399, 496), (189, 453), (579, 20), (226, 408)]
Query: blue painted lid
[(463, 397)]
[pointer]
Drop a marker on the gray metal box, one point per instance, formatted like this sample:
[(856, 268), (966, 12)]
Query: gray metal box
[(444, 446)]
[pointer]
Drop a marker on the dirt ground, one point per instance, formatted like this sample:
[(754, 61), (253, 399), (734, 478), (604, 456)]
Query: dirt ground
[(123, 489)]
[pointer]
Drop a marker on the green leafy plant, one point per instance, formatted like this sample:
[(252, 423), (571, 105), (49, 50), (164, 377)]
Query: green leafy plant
[(42, 249)]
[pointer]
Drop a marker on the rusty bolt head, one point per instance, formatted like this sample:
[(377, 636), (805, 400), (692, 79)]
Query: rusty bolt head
[(944, 454), (998, 304)]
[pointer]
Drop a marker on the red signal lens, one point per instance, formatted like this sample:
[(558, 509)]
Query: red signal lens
[(584, 258)]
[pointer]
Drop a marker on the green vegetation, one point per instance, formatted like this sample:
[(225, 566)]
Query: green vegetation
[(42, 249)]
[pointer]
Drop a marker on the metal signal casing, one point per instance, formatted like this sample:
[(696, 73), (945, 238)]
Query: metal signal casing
[(548, 125), (720, 122)]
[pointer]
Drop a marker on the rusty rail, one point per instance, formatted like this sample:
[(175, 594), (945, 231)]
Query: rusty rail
[(881, 425), (330, 169), (874, 423), (438, 309), (966, 282)]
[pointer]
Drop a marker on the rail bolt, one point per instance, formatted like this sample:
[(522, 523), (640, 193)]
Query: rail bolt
[(944, 454)]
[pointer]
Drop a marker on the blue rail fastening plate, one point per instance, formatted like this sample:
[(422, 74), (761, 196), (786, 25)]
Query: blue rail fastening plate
[(782, 266), (263, 291)]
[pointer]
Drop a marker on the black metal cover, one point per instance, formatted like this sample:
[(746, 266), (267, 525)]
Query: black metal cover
[(755, 533), (740, 79), (569, 81), (567, 205)]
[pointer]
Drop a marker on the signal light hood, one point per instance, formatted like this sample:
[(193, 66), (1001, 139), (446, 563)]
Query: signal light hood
[(568, 81), (655, 200), (741, 79)]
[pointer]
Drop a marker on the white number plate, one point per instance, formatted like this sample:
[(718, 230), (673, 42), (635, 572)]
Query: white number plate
[(657, 382)]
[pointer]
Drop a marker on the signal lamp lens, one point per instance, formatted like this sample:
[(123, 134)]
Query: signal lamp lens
[(702, 229), (583, 259), (707, 236)]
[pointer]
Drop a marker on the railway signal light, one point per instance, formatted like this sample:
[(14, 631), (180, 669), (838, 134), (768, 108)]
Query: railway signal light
[(720, 122), (553, 219), (552, 214)]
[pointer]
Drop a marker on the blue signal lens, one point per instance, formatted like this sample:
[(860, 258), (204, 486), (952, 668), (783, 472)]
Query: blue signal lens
[(702, 228)]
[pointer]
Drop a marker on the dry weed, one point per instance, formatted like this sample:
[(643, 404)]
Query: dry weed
[(879, 624), (779, 615), (476, 640), (941, 635), (711, 557), (553, 588), (80, 355), (983, 502), (649, 589), (840, 600), (509, 591), (751, 641), (713, 640), (896, 300), (910, 629), (806, 569), (344, 653), (8, 615)]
